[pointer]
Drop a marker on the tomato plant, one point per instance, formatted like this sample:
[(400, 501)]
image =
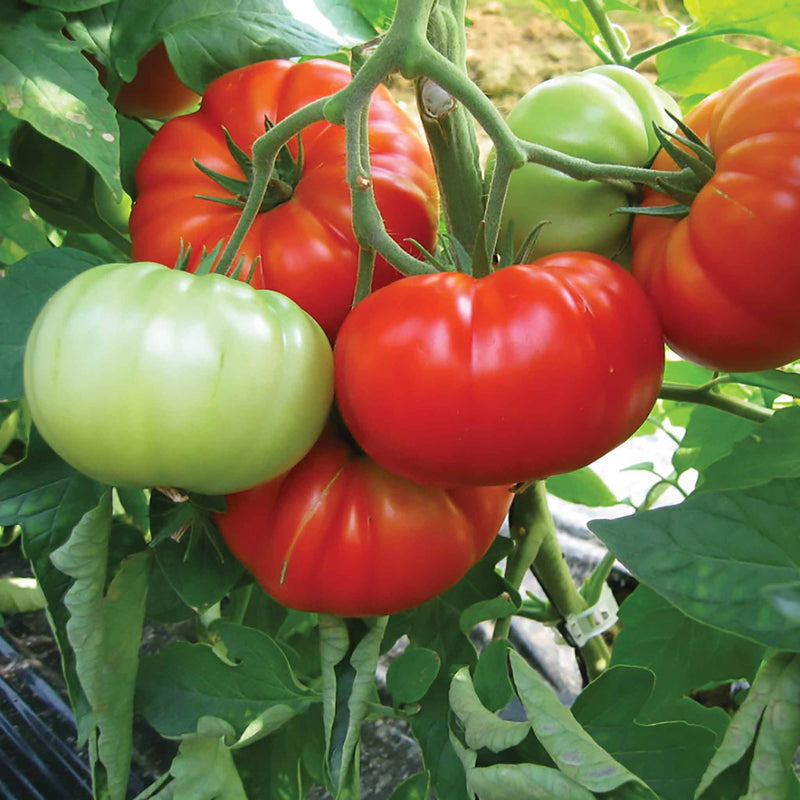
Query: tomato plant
[(196, 382), (291, 576), (341, 535), (724, 275), (604, 114), (571, 333), (303, 238)]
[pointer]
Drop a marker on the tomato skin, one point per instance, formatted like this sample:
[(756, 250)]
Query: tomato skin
[(306, 245), (155, 92), (723, 279), (604, 114), (139, 375), (533, 370), (341, 535)]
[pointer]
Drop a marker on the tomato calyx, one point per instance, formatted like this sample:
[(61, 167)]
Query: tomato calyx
[(210, 263), (696, 165), (285, 175)]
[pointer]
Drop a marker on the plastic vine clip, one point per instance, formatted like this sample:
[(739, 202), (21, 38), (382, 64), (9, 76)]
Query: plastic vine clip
[(580, 628)]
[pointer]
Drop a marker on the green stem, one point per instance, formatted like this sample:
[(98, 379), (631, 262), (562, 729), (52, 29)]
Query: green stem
[(635, 59), (265, 152), (550, 568), (528, 527), (706, 397), (606, 29), (450, 129)]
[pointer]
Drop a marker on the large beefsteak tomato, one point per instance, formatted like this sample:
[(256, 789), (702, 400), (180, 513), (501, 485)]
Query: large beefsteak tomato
[(533, 370), (724, 279), (305, 244), (341, 535)]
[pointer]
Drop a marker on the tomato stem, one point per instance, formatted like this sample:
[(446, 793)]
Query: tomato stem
[(707, 396), (530, 512), (616, 51)]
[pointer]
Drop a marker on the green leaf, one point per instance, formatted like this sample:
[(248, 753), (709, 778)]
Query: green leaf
[(20, 232), (276, 767), (772, 450), (683, 654), (411, 674), (710, 435), (19, 595), (47, 497), (350, 650), (573, 750), (775, 19), (482, 728), (68, 5), (531, 781), (704, 66), (105, 630), (24, 289), (252, 684), (776, 380), (670, 756), (204, 768), (786, 598), (45, 80), (712, 555), (378, 12), (583, 486), (491, 678), (767, 729), (417, 787)]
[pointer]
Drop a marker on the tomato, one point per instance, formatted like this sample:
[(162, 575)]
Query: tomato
[(604, 114), (155, 92), (533, 370), (306, 244), (724, 278), (139, 375), (341, 535)]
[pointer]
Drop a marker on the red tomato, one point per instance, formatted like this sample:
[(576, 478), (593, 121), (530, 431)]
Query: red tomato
[(340, 535), (534, 370), (306, 244), (155, 92), (724, 279)]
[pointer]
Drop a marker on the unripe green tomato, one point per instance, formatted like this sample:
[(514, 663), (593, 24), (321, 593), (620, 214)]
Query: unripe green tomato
[(604, 114), (139, 375)]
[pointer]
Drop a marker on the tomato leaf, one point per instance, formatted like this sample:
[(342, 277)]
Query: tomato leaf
[(47, 497), (712, 555), (26, 286), (704, 66), (683, 654), (490, 678), (417, 787), (45, 80), (204, 768), (411, 674), (105, 629), (670, 756), (68, 5), (573, 750), (501, 781), (775, 19), (766, 729), (252, 684), (20, 232), (583, 486), (770, 451), (776, 380)]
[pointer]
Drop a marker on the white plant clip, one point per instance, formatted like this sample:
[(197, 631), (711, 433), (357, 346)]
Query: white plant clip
[(594, 620)]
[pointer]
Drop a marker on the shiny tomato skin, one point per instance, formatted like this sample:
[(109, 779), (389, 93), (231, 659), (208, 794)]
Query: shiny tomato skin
[(723, 279), (139, 375), (341, 535), (534, 370), (306, 245), (156, 92)]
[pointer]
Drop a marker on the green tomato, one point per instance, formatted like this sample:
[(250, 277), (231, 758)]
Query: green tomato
[(604, 114), (139, 375)]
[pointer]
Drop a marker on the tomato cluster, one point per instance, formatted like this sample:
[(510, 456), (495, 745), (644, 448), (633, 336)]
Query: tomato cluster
[(449, 388)]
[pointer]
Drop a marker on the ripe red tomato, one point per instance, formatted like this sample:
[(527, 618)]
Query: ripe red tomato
[(534, 370), (155, 92), (724, 279), (340, 535), (306, 244)]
